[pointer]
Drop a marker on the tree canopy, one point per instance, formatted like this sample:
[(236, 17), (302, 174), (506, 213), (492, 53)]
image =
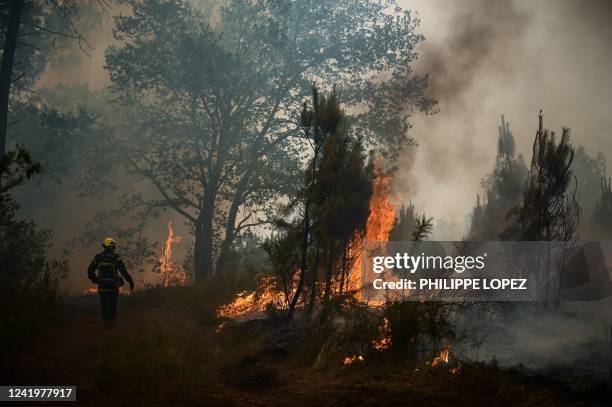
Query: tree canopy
[(218, 91)]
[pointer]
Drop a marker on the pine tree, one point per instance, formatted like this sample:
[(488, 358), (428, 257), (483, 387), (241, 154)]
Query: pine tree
[(547, 211), (502, 189)]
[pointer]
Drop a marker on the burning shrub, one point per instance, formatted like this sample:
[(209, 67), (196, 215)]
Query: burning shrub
[(262, 299)]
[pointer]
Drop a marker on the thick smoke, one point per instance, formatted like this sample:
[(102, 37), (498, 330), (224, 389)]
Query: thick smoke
[(482, 33), (567, 344), (484, 58), (504, 57)]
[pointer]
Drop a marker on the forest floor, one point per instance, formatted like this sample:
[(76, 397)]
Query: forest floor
[(160, 353)]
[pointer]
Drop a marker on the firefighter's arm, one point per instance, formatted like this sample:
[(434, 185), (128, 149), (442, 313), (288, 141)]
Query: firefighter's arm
[(125, 274), (91, 271)]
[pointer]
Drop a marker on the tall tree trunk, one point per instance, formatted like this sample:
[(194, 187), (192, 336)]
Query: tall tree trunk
[(228, 239), (305, 236), (300, 285), (343, 271), (6, 70), (204, 234), (313, 280), (230, 225), (329, 271)]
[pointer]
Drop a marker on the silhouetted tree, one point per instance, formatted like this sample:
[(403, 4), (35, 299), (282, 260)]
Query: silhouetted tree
[(601, 221), (404, 225), (547, 211), (341, 206), (502, 189), (336, 199), (30, 30), (589, 172)]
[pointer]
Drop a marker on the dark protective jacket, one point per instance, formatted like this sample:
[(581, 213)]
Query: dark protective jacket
[(109, 265)]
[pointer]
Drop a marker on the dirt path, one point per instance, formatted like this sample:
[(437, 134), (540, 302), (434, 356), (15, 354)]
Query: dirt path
[(141, 355)]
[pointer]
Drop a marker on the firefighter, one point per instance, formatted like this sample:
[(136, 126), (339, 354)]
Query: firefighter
[(108, 265)]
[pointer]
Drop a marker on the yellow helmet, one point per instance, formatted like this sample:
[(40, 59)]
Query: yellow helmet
[(109, 242)]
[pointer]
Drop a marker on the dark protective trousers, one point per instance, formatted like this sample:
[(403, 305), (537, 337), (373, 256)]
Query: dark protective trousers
[(108, 303)]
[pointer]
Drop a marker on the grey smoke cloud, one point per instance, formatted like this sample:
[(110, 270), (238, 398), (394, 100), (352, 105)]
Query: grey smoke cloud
[(513, 57), (481, 34), (572, 343)]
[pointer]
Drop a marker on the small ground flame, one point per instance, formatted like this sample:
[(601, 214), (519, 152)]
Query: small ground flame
[(349, 360), (442, 357), (254, 301), (384, 337), (171, 274)]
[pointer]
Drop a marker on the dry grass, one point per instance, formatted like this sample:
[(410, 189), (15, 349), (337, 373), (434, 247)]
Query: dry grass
[(165, 350)]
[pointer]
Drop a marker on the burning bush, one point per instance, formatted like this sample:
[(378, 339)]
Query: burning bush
[(258, 301)]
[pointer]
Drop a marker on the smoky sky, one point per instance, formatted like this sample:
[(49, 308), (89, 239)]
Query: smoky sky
[(484, 58), (512, 57), (480, 38)]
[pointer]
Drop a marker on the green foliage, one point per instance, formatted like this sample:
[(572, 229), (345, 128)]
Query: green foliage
[(339, 195), (422, 228), (218, 88), (23, 260), (16, 166), (336, 201), (283, 257), (29, 281)]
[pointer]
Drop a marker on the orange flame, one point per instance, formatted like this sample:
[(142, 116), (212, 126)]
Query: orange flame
[(378, 227), (254, 301), (384, 337), (441, 358), (172, 274), (382, 214), (349, 360), (380, 221)]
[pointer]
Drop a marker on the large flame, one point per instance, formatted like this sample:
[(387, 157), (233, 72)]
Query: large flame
[(379, 224), (172, 274), (382, 213), (378, 227)]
